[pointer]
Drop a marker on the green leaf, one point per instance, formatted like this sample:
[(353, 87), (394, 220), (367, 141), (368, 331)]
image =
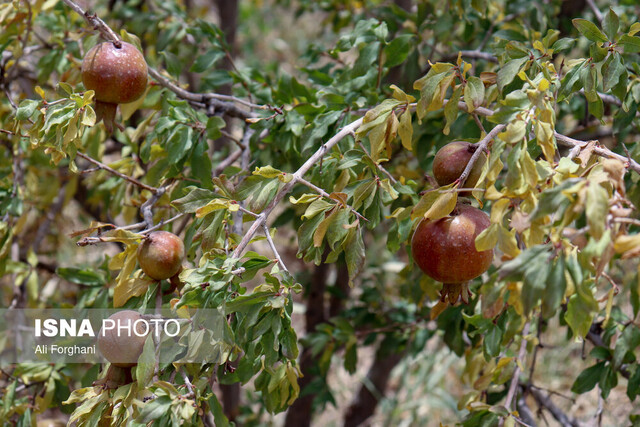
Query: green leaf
[(588, 378), (612, 69), (473, 93), (555, 289), (201, 164), (492, 340), (154, 409), (219, 417), (354, 253), (563, 44), (206, 61), (79, 276), (26, 109), (214, 124), (589, 30), (351, 355), (515, 269), (611, 24), (631, 44), (627, 344), (146, 363), (580, 312), (397, 51), (509, 71), (194, 200), (535, 278)]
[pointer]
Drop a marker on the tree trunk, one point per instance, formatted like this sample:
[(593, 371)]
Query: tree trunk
[(228, 13), (365, 403)]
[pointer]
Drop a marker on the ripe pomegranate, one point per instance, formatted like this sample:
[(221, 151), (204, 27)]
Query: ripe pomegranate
[(160, 255), (445, 249), (451, 160), (122, 347), (117, 72)]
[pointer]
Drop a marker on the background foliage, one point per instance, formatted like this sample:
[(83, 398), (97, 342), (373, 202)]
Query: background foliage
[(307, 130)]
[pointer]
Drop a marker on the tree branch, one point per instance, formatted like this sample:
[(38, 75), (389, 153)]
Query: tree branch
[(118, 174), (262, 217)]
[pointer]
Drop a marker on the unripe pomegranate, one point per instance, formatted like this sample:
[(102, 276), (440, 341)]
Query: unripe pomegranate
[(122, 346), (452, 159), (160, 255), (117, 72), (445, 249)]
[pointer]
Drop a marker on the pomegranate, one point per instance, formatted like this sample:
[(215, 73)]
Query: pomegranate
[(160, 255), (452, 159), (445, 249), (122, 347), (117, 72)]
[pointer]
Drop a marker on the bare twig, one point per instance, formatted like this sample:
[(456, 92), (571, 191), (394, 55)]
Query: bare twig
[(513, 387), (97, 23), (187, 382), (146, 207), (116, 173), (546, 403), (595, 10), (273, 247)]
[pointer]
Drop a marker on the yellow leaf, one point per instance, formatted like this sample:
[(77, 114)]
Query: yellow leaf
[(625, 243), (129, 288), (320, 232), (406, 130), (442, 206), (267, 172), (507, 242), (488, 238), (214, 205)]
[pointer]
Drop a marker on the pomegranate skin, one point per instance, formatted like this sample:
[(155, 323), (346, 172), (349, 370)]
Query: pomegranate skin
[(119, 348), (445, 249), (117, 75), (451, 160), (160, 255)]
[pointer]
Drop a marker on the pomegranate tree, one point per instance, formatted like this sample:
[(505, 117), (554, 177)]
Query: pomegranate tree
[(117, 72), (160, 255), (445, 249)]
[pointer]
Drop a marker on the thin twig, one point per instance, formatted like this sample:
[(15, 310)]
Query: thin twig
[(595, 10), (273, 247), (116, 173), (187, 382), (513, 387)]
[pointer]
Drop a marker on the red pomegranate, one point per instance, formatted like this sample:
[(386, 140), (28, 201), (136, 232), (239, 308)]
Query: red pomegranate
[(445, 249), (451, 160), (117, 72), (160, 255)]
